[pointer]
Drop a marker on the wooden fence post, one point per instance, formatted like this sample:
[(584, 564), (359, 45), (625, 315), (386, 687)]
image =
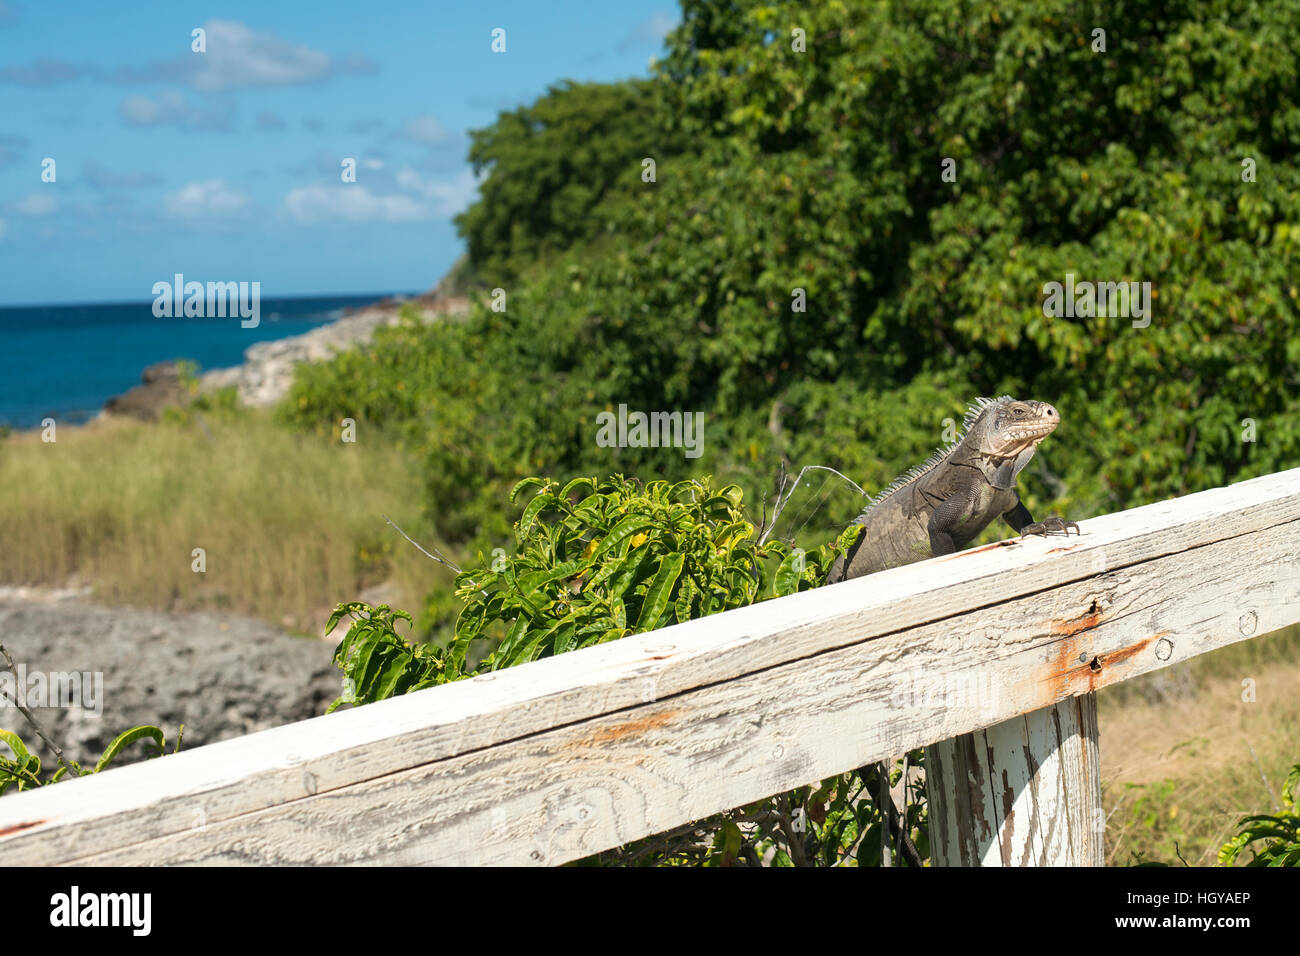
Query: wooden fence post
[(1025, 792)]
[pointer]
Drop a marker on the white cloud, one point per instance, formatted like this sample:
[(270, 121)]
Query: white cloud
[(425, 129), (239, 57), (352, 202), (170, 108), (449, 196), (37, 205), (142, 111), (211, 198)]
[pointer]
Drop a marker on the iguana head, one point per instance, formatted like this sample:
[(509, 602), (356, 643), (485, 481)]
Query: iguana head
[(1004, 428)]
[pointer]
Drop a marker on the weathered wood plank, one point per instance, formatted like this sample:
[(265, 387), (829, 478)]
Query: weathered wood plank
[(677, 700), (571, 791)]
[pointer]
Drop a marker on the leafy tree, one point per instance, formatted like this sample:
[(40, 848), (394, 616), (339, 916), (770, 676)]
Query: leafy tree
[(549, 165), (821, 171)]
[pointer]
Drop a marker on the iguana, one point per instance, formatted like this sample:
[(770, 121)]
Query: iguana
[(942, 505)]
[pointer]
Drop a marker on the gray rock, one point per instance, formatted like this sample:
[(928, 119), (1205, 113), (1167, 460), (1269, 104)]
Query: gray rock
[(221, 675), (160, 386)]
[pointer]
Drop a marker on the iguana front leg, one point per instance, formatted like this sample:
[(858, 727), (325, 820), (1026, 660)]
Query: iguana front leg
[(944, 520), (1021, 520)]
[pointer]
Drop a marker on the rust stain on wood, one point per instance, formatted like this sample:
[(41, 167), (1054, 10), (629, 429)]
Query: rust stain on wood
[(19, 827), (1070, 627), (981, 548), (1069, 676), (632, 728)]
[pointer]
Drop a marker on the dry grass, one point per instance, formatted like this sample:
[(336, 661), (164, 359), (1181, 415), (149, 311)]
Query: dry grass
[(290, 524), (1184, 756)]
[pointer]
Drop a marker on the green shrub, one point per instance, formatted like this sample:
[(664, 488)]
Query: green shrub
[(595, 561), (1274, 839)]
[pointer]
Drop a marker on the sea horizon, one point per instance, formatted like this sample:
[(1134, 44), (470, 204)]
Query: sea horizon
[(68, 359)]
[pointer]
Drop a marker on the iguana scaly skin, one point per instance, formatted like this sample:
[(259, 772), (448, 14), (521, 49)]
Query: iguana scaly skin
[(942, 505)]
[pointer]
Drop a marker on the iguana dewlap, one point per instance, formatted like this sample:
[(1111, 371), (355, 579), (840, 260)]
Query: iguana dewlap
[(942, 505)]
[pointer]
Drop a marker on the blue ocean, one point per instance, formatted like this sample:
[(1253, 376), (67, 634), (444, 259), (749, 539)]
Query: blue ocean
[(65, 361)]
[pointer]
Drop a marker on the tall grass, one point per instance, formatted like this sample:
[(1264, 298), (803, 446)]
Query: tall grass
[(1188, 750), (290, 524)]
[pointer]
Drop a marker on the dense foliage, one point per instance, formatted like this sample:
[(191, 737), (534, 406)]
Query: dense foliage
[(821, 171), (596, 561), (551, 164), (593, 561)]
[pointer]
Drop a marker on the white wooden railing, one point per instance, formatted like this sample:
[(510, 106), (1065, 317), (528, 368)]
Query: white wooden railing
[(990, 656)]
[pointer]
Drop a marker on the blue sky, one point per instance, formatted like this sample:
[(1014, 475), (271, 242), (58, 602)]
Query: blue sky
[(225, 165)]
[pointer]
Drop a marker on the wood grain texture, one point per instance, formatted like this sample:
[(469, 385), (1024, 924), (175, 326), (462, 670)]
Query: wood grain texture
[(561, 758), (1025, 792)]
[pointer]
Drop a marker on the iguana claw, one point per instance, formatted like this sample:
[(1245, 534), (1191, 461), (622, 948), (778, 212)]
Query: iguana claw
[(1051, 525)]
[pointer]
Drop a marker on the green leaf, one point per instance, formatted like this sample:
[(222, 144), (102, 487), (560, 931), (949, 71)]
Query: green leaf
[(526, 483), (575, 484), (627, 528), (512, 638), (540, 502), (15, 744), (660, 591), (129, 737)]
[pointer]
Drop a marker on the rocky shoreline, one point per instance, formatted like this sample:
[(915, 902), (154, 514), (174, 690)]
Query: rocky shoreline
[(266, 374), (221, 675)]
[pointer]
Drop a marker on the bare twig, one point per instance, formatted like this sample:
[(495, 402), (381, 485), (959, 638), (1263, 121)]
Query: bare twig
[(793, 840), (782, 501), (437, 557), (1267, 786), (903, 812), (885, 860), (766, 529), (31, 719), (880, 794)]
